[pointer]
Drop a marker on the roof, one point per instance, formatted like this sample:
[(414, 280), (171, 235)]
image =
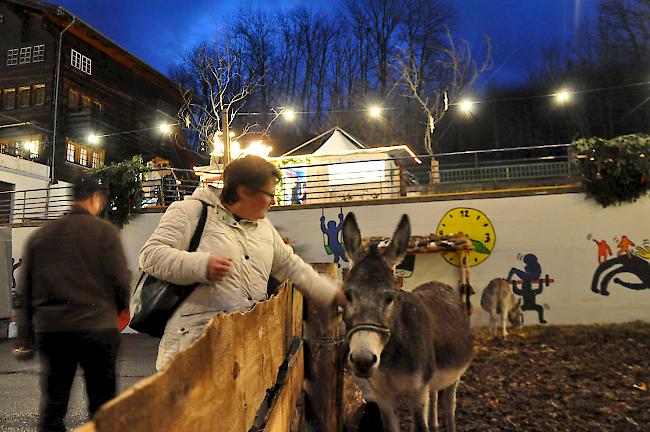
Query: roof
[(95, 38), (331, 141)]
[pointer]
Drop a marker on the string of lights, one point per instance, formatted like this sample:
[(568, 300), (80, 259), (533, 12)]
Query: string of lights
[(374, 111)]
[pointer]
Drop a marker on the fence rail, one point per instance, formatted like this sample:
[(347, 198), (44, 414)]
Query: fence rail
[(323, 183)]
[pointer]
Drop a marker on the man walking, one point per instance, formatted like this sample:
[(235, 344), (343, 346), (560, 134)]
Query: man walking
[(75, 281)]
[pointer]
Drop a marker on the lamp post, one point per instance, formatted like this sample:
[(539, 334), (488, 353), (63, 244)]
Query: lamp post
[(225, 136)]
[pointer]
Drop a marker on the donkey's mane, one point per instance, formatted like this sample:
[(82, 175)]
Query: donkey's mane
[(373, 249)]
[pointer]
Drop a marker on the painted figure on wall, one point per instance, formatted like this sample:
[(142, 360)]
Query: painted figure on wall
[(604, 250), (331, 237), (531, 271), (530, 276), (624, 247), (627, 262)]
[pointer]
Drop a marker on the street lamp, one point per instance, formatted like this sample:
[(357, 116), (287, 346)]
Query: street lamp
[(165, 128), (93, 139), (374, 111), (289, 114), (563, 96), (466, 106)]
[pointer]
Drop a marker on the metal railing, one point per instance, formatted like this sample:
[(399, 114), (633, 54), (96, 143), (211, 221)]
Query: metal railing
[(327, 182), (34, 205)]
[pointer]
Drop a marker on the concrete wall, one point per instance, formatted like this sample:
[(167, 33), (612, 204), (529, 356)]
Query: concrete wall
[(559, 230), (23, 174)]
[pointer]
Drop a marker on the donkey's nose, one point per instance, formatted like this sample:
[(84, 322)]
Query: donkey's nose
[(363, 361)]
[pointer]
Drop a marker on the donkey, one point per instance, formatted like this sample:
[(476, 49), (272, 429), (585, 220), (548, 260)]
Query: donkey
[(403, 346), (497, 299)]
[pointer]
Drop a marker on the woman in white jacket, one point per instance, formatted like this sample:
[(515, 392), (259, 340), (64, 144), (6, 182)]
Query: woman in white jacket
[(239, 250)]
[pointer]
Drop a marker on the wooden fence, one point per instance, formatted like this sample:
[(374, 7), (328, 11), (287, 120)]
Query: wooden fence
[(245, 373)]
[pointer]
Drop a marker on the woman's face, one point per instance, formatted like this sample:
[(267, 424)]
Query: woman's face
[(254, 204)]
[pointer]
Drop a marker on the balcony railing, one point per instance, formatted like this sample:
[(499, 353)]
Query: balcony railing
[(325, 183)]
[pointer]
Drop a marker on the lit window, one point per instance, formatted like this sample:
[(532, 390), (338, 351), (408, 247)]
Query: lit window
[(69, 156), (97, 106), (81, 62), (23, 97), (25, 55), (75, 59), (2, 19), (73, 99), (356, 172), (96, 161), (31, 148), (38, 54), (39, 94), (12, 57), (9, 98), (83, 156), (85, 102)]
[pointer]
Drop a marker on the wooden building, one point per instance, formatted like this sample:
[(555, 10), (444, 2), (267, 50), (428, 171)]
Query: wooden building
[(109, 103)]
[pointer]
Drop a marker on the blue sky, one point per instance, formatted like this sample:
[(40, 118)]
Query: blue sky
[(159, 31)]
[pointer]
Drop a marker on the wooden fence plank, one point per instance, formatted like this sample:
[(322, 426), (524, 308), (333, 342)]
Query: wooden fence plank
[(217, 384)]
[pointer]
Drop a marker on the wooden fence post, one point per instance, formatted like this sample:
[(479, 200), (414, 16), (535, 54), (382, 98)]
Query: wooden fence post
[(323, 363)]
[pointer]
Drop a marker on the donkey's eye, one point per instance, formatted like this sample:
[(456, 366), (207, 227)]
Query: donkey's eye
[(389, 297)]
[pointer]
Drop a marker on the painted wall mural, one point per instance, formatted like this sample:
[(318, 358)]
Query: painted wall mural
[(475, 225), (629, 269), (332, 237), (530, 284)]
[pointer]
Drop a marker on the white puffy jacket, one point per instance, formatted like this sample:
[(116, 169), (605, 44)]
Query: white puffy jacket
[(256, 249)]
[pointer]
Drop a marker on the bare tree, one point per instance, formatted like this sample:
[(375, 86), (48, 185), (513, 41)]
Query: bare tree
[(215, 89), (434, 92), (624, 30), (377, 21)]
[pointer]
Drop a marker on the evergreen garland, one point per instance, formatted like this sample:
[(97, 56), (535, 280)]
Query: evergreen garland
[(614, 171), (124, 189)]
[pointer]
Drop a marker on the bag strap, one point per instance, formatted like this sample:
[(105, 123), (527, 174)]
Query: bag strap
[(196, 238)]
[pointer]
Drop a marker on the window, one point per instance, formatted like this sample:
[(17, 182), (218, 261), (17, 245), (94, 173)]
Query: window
[(39, 94), (9, 98), (70, 150), (98, 159), (73, 99), (81, 62), (30, 148), (356, 172), (23, 97), (25, 55), (86, 102), (2, 19), (83, 156), (97, 106), (12, 57), (38, 54)]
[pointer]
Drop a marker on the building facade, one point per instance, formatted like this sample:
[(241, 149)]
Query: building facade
[(109, 103)]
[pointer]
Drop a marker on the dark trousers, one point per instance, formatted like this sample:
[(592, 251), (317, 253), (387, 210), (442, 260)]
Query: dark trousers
[(60, 353)]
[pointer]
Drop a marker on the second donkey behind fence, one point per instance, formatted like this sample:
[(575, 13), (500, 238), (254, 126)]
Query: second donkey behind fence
[(499, 301), (404, 346)]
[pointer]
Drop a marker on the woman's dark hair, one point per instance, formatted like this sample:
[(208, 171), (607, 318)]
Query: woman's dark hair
[(85, 185), (253, 172)]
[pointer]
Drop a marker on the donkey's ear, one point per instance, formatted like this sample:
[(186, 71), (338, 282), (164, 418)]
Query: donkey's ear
[(395, 252), (352, 238)]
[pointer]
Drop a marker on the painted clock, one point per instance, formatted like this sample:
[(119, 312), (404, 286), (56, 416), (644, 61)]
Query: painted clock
[(475, 225)]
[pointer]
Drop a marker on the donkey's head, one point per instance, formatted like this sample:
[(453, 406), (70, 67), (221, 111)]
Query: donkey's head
[(516, 315), (372, 298)]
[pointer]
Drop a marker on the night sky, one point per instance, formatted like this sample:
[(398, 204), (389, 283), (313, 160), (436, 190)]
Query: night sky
[(159, 31)]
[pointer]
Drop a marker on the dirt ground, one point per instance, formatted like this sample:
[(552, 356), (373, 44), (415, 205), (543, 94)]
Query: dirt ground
[(558, 378)]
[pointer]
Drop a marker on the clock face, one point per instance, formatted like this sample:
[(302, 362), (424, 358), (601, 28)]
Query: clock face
[(475, 225)]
